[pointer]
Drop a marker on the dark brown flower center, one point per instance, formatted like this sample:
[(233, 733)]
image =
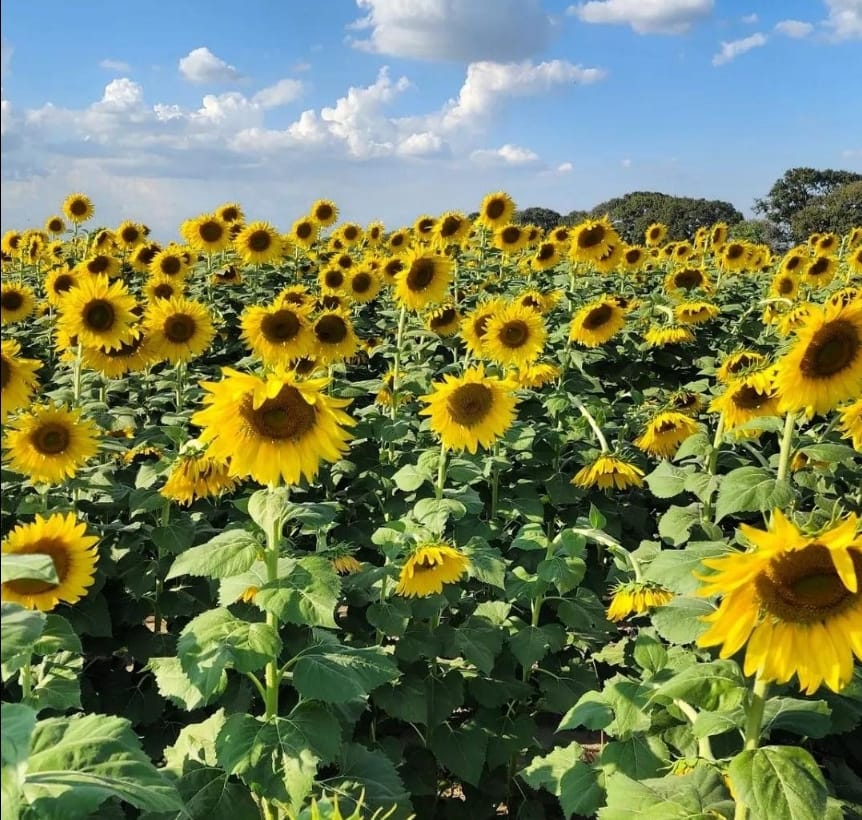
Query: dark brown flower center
[(331, 330), (495, 208), (590, 237), (803, 586), (304, 230), (179, 328), (426, 563), (734, 250), (164, 290), (510, 235), (230, 214), (546, 251), (280, 326), (329, 301), (125, 349), (344, 261), (259, 241), (444, 317), (130, 234), (833, 348), (59, 554), (5, 372), (78, 207), (688, 279), (323, 211), (392, 267), (99, 315), (425, 226), (56, 225), (211, 231), (421, 274), (50, 438), (12, 300), (598, 317), (304, 365), (333, 278), (785, 285), (470, 403), (666, 426), (99, 264), (655, 233), (514, 334), (819, 266), (750, 398), (350, 232), (397, 240), (170, 265), (450, 226), (285, 417), (632, 256), (361, 283)]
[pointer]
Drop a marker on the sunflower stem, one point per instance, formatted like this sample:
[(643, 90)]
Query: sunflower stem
[(712, 466), (399, 338), (704, 747), (179, 385), (594, 424), (753, 725), (26, 680), (164, 520), (76, 373), (272, 674), (786, 446), (441, 472)]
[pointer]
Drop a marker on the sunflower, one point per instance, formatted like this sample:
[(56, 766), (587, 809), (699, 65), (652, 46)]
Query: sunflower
[(744, 399), (734, 256), (685, 401), (324, 212), (228, 276), (655, 234), (78, 208), (821, 271), (11, 242), (363, 284), (596, 323), (636, 598), (100, 265), (258, 243), (471, 411), (103, 241), (662, 335), (794, 261), (547, 256), (827, 244), (824, 366), (58, 283), (207, 233), (374, 233), (55, 254), (444, 320), (665, 432), (129, 234), (133, 356), (634, 258), (428, 567), (55, 225), (594, 239), (72, 552), (793, 319), (496, 209), (194, 475), (230, 212), (304, 232), (854, 260), (718, 235), (48, 444), (515, 335), (424, 226), (17, 378), (695, 313), (845, 296), (534, 376), (334, 337), (451, 228), (854, 237), (784, 285), (277, 333), (390, 269), (738, 363), (345, 564), (561, 234), (851, 423), (277, 428), (17, 302), (793, 601), (423, 280), (169, 263), (99, 313), (510, 238), (398, 242), (474, 325), (162, 287), (296, 295), (538, 301), (607, 472), (687, 279), (178, 329), (682, 251)]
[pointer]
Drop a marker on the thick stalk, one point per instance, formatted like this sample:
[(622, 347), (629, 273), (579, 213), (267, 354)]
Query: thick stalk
[(272, 677), (712, 466), (786, 446), (603, 442), (441, 472), (26, 680), (76, 373), (704, 747), (753, 725), (160, 582), (179, 386)]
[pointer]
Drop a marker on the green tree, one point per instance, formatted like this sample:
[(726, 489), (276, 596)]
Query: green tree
[(796, 189), (545, 218), (759, 231), (633, 213), (573, 217), (838, 211)]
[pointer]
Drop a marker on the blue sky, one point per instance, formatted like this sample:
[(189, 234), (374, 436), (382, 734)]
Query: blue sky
[(394, 108)]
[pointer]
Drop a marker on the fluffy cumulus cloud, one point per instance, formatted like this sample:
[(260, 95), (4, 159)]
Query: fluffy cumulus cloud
[(506, 155), (732, 49), (794, 28), (201, 67), (645, 16), (845, 19), (501, 30), (281, 93)]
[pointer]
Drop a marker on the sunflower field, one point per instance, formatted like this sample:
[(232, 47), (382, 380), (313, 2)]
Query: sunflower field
[(459, 520)]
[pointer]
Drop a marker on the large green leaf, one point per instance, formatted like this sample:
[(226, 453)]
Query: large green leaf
[(175, 685), (779, 781), (564, 773), (305, 595), (462, 750), (480, 642), (34, 567), (20, 628), (714, 686), (208, 793), (680, 620), (268, 508), (749, 489), (76, 763), (17, 722), (675, 569), (337, 674), (57, 682), (229, 553)]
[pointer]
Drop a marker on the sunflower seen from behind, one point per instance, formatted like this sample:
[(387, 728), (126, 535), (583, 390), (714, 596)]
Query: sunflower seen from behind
[(178, 329), (99, 313), (194, 475), (608, 472), (636, 598), (277, 428), (792, 601), (49, 443), (428, 568), (65, 541), (470, 411)]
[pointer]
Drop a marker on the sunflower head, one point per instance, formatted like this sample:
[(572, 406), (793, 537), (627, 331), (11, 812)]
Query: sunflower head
[(18, 379), (230, 212), (665, 432), (17, 302), (515, 335), (78, 208), (609, 472), (178, 329), (496, 209), (430, 566), (334, 337), (655, 234), (423, 280), (129, 234), (324, 212), (597, 322), (636, 598)]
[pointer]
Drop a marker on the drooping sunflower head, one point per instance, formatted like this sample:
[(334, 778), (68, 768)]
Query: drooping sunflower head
[(793, 602), (17, 302), (695, 313), (277, 333), (597, 322), (609, 472), (636, 598), (229, 275), (746, 398), (655, 234), (324, 212), (64, 540), (423, 280), (663, 335), (496, 209), (664, 433), (739, 363), (471, 411), (334, 337), (854, 259), (537, 375), (851, 423), (428, 568), (538, 301), (824, 365), (687, 279), (195, 474), (515, 335), (18, 379), (78, 208), (845, 296)]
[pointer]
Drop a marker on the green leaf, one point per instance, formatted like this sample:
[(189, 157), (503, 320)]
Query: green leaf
[(666, 480), (674, 569), (216, 641), (715, 686), (462, 751), (564, 773), (530, 537), (33, 567), (649, 653), (749, 489), (676, 524), (17, 722), (629, 700), (591, 711), (563, 572), (305, 595), (640, 757), (174, 538), (390, 617), (229, 553), (58, 636), (480, 642), (425, 700), (208, 793), (20, 628), (810, 718), (779, 781), (829, 452), (486, 563), (338, 674), (410, 478), (435, 513), (175, 685), (531, 643), (679, 621), (268, 508), (708, 724), (78, 762), (195, 743), (57, 682)]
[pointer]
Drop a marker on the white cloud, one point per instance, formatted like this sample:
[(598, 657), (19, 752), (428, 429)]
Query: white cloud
[(645, 16), (750, 19), (201, 67), (422, 144), (845, 19), (120, 95), (565, 168), (499, 30), (731, 50), (281, 93), (115, 65), (794, 28), (505, 155)]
